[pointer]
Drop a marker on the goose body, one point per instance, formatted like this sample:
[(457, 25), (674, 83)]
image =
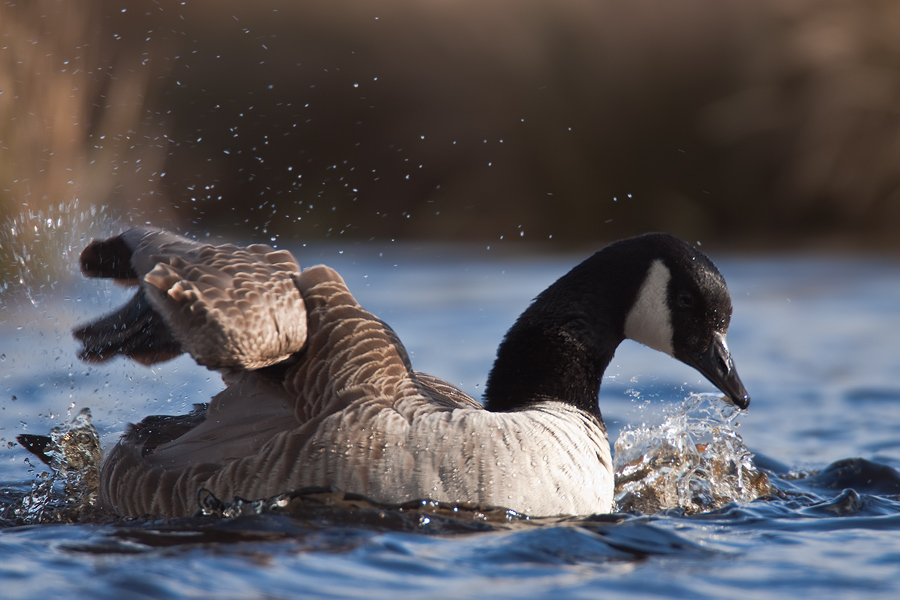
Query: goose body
[(321, 392)]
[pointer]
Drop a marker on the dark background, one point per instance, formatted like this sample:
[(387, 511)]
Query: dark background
[(752, 123)]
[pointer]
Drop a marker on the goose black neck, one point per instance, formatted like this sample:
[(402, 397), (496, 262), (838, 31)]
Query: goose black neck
[(560, 346)]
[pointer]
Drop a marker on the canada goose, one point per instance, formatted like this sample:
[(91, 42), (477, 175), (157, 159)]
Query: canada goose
[(321, 392)]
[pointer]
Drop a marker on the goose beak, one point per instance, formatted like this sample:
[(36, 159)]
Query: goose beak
[(715, 364)]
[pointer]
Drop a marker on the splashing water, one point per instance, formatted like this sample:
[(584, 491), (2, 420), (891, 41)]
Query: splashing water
[(38, 248), (693, 461), (69, 492)]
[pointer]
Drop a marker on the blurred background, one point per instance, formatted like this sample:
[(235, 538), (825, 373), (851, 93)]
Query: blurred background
[(751, 123)]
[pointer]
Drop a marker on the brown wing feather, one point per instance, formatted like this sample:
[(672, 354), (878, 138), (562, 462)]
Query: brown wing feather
[(228, 306), (443, 393)]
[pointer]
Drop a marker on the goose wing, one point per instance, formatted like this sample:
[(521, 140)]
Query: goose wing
[(228, 306), (331, 416)]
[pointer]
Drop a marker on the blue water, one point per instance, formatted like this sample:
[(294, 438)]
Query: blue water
[(815, 339)]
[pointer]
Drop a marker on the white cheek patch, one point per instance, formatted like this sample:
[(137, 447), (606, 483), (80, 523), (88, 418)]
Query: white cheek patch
[(650, 321)]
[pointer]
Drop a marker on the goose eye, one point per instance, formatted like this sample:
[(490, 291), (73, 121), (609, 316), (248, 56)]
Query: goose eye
[(685, 300)]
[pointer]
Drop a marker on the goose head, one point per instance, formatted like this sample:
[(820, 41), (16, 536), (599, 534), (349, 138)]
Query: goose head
[(654, 289), (683, 308)]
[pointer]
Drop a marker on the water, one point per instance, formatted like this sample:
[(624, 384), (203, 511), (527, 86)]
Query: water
[(814, 338)]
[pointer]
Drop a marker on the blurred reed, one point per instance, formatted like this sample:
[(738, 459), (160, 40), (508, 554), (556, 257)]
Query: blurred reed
[(73, 120)]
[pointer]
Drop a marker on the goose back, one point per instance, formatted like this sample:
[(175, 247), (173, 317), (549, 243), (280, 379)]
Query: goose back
[(350, 412)]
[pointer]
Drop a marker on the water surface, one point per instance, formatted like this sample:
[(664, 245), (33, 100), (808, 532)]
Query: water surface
[(814, 338)]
